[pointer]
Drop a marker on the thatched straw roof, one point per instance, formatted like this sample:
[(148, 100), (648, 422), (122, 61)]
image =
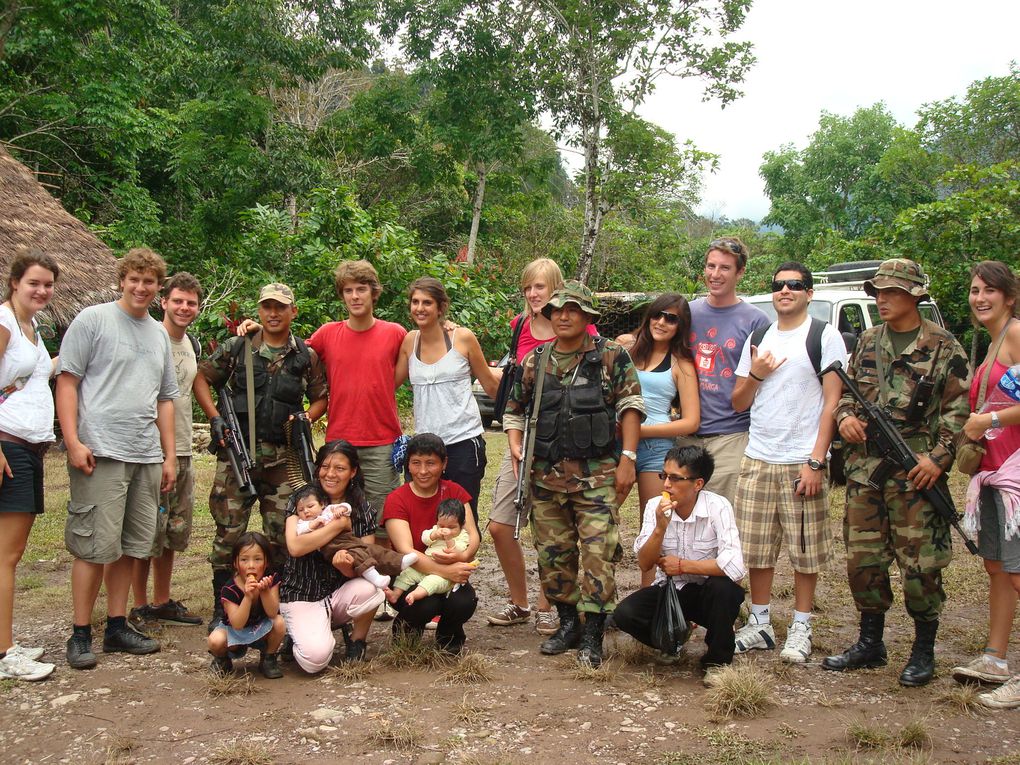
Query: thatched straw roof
[(30, 217)]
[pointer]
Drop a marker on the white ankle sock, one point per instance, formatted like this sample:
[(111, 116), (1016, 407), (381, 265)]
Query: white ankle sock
[(408, 560), (761, 613), (373, 576), (802, 616)]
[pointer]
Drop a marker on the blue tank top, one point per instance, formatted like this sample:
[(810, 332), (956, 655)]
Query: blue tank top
[(658, 390)]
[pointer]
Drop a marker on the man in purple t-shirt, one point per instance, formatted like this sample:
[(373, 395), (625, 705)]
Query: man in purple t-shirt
[(720, 323)]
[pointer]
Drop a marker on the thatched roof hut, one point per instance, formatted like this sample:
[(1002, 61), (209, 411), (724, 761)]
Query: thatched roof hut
[(30, 217)]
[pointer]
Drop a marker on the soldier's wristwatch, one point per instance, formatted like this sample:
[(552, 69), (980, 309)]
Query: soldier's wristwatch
[(630, 454), (815, 464)]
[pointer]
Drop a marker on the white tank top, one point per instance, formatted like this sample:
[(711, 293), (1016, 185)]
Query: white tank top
[(443, 403)]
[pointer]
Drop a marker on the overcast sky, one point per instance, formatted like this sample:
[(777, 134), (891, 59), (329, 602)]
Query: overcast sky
[(816, 55)]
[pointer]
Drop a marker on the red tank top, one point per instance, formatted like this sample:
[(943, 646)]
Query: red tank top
[(998, 449)]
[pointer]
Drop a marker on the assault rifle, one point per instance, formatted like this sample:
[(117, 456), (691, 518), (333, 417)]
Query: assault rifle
[(240, 460), (896, 453), (528, 443), (301, 458)]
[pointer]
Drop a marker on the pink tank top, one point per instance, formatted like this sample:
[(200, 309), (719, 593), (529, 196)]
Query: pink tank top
[(1000, 448)]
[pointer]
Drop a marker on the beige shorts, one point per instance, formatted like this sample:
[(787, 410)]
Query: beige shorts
[(727, 451), (113, 511), (769, 515), (380, 479), (503, 493), (173, 526)]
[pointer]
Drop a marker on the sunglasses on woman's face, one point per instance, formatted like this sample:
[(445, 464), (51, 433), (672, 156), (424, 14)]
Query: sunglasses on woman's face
[(670, 318), (795, 285)]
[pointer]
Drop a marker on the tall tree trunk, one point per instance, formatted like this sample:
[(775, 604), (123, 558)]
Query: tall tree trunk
[(7, 17), (291, 203), (476, 212), (592, 206)]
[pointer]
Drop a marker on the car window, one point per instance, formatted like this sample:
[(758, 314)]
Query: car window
[(851, 319)]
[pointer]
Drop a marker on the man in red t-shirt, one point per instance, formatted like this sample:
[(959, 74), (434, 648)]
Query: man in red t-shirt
[(410, 510), (359, 355)]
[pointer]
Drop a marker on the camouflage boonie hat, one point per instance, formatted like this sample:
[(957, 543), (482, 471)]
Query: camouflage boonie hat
[(899, 273), (572, 291), (278, 292)]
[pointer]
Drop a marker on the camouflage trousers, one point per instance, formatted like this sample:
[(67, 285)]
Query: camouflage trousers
[(895, 523), (231, 516), (577, 538)]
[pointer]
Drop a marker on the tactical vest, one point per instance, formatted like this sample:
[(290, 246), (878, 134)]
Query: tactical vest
[(277, 395), (576, 421)]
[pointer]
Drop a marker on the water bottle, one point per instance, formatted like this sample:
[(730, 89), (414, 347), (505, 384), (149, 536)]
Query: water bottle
[(1005, 394)]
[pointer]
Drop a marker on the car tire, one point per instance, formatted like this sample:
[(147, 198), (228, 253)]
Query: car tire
[(854, 271)]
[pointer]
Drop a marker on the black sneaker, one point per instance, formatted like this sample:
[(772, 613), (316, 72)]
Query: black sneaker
[(356, 651), (79, 653), (174, 612), (286, 652), (129, 641), (269, 668), (221, 665)]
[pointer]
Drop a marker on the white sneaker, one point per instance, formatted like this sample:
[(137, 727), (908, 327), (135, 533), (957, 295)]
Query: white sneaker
[(1006, 696), (981, 670), (32, 654), (17, 667), (753, 635), (798, 643)]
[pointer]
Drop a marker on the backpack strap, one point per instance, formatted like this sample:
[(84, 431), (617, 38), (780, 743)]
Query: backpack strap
[(195, 345), (515, 338), (814, 343)]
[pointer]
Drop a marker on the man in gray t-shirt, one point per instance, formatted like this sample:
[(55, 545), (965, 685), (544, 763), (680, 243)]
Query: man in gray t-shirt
[(720, 323), (115, 398)]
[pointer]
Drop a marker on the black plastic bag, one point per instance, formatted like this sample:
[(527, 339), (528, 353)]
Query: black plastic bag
[(669, 627)]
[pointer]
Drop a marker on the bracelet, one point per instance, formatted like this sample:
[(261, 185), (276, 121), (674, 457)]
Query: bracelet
[(759, 379), (995, 420)]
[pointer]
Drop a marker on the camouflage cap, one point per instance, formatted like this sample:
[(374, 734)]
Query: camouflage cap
[(898, 273), (278, 292), (572, 291)]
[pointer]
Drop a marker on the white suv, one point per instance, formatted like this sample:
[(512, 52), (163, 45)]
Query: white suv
[(840, 300)]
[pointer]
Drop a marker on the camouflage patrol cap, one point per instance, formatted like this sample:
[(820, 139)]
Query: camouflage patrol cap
[(898, 273), (572, 291), (278, 292)]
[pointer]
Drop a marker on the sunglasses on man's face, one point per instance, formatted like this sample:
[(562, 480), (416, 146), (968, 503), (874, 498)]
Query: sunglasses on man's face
[(795, 285), (670, 318), (674, 478)]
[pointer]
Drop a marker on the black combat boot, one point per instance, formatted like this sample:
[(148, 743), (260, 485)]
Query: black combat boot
[(589, 650), (567, 635), (867, 652), (921, 667), (220, 578)]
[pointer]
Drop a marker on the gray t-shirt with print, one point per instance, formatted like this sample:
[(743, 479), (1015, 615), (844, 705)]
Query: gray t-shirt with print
[(125, 368)]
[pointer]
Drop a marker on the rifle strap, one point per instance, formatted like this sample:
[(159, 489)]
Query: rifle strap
[(993, 354), (249, 375), (883, 384), (542, 353)]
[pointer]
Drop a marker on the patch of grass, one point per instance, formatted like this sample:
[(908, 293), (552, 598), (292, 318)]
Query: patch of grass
[(743, 690), (350, 671), (411, 652), (221, 686), (605, 674), (680, 758), (914, 735), (470, 668), (7, 685), (467, 712), (403, 736), (632, 653), (862, 735), (119, 749), (788, 731), (962, 698), (241, 752), (728, 746)]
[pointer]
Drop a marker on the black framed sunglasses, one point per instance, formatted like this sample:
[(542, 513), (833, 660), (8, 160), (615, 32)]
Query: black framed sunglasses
[(674, 478), (728, 245), (670, 318), (795, 285)]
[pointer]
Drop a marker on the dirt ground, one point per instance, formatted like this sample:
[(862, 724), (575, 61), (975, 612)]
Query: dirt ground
[(504, 703)]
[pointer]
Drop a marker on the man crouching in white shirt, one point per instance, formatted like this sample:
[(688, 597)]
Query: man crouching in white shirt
[(693, 538)]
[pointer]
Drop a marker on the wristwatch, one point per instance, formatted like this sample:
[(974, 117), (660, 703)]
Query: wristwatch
[(629, 453), (815, 464), (995, 420)]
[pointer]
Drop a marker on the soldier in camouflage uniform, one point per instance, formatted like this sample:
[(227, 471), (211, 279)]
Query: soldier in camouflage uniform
[(577, 479), (285, 371), (895, 522)]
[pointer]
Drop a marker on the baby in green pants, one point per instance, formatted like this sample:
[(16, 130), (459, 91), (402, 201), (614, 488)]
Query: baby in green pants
[(448, 534)]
